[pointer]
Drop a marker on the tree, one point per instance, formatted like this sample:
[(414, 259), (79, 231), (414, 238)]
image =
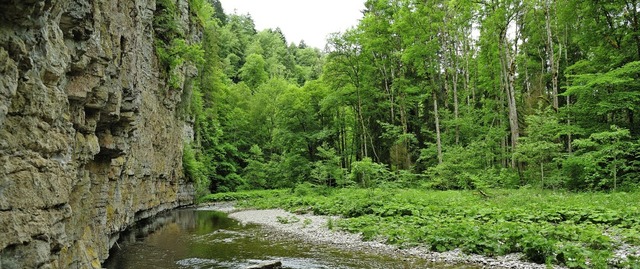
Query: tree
[(504, 21), (462, 94), (604, 150), (612, 97), (540, 145), (254, 173), (219, 11), (253, 71), (422, 29)]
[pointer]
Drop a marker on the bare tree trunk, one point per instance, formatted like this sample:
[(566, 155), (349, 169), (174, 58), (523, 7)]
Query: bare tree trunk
[(550, 54), (362, 125), (467, 77), (566, 62), (373, 146), (527, 83), (456, 113), (508, 71), (513, 111), (449, 43), (342, 137), (387, 87), (505, 144), (437, 121), (455, 77), (508, 61)]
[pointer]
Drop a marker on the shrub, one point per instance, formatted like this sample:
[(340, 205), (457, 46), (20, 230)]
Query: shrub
[(195, 170), (368, 173)]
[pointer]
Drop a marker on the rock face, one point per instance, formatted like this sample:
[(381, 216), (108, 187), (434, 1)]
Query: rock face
[(89, 137)]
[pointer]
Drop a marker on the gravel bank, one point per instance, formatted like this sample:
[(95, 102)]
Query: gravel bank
[(312, 228)]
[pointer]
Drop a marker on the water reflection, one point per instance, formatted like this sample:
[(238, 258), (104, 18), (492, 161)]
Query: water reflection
[(208, 239)]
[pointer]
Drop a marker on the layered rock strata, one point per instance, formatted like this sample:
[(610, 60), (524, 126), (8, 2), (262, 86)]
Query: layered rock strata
[(90, 141)]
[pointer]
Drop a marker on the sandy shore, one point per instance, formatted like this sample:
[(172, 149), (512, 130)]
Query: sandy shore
[(312, 228)]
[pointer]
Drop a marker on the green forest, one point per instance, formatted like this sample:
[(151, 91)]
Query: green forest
[(443, 95), (500, 107)]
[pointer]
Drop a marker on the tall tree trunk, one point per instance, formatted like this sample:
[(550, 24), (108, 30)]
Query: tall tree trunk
[(437, 121), (387, 78), (456, 113), (508, 72), (363, 133), (566, 63), (449, 63), (342, 139), (373, 145), (550, 54), (467, 76), (513, 113), (508, 62), (505, 150), (456, 110)]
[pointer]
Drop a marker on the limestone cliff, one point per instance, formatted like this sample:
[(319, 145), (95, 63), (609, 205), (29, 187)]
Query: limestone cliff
[(89, 137)]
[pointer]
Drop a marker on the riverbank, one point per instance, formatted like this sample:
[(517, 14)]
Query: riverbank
[(576, 230), (319, 230)]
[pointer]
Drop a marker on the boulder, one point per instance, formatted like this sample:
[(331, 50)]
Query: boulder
[(267, 265)]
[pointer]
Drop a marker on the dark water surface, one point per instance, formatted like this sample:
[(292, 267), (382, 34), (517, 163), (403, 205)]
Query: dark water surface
[(208, 239)]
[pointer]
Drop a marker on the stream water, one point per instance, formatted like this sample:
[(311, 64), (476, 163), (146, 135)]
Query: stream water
[(208, 239)]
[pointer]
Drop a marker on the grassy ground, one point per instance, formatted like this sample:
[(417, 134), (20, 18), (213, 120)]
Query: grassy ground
[(576, 230)]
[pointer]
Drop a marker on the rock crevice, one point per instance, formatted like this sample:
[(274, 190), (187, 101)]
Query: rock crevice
[(82, 104)]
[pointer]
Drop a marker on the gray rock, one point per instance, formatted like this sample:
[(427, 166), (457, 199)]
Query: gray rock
[(267, 265), (81, 109), (8, 83)]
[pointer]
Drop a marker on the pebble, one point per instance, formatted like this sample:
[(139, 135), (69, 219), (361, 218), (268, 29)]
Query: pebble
[(314, 229)]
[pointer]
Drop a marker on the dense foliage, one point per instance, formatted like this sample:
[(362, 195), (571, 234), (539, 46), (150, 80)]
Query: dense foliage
[(442, 94), (575, 230)]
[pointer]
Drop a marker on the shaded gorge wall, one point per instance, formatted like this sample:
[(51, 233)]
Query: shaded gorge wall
[(90, 141)]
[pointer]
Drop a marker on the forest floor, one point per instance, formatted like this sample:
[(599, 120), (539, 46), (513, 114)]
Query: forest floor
[(498, 228)]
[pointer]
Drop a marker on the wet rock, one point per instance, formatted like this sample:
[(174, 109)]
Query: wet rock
[(267, 265)]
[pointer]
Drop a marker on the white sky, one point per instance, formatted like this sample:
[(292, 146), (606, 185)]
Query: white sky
[(308, 20)]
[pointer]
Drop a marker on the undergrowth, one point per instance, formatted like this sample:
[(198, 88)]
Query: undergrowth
[(575, 230)]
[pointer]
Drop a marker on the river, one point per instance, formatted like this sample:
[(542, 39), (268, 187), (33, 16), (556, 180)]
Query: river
[(188, 238)]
